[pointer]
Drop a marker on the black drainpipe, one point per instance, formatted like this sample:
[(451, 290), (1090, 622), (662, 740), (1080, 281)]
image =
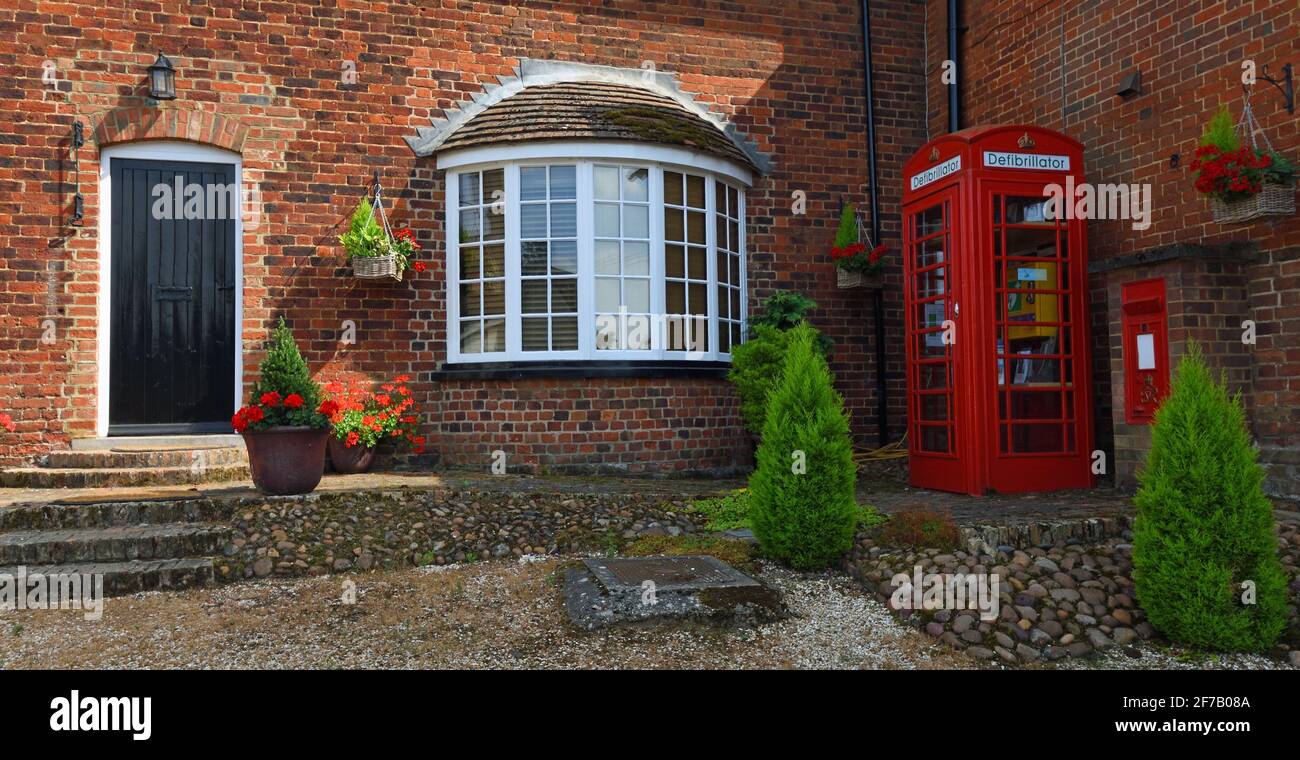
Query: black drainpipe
[(878, 295), (954, 55)]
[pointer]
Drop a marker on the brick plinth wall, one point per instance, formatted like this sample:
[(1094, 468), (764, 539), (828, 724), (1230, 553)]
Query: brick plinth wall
[(637, 426)]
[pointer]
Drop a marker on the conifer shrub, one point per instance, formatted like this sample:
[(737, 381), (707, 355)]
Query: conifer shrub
[(1204, 531), (802, 505), (756, 369), (284, 371)]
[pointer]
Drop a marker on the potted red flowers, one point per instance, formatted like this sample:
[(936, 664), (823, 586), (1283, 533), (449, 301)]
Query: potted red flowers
[(362, 418), (854, 261), (285, 425), (1243, 182)]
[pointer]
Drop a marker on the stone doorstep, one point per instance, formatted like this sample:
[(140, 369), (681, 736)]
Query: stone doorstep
[(158, 442), (121, 578), (134, 457), (76, 477), (112, 544)]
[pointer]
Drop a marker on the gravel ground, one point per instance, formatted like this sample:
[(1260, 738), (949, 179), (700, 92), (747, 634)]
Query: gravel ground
[(505, 614)]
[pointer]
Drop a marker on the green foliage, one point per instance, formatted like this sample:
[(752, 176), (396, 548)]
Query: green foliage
[(783, 309), (804, 515), (365, 237), (727, 512), (918, 527), (732, 551), (284, 371), (756, 369), (847, 234), (1204, 526), (1221, 132)]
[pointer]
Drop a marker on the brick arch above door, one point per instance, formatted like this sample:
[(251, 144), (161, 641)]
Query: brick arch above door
[(123, 125)]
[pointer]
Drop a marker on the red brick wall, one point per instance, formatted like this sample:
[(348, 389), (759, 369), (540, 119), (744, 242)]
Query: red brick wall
[(1058, 65), (789, 75)]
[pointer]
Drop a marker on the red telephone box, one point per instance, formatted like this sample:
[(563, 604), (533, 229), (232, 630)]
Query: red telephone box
[(998, 385)]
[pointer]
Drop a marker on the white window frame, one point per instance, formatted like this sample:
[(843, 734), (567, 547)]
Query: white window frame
[(585, 155)]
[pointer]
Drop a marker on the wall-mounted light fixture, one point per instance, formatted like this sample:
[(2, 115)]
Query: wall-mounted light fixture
[(162, 79)]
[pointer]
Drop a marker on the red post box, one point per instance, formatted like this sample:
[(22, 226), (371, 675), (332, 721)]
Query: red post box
[(1146, 349), (998, 386)]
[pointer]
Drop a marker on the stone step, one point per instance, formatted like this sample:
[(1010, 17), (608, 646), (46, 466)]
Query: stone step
[(144, 457), (115, 508), (130, 577), (114, 477), (115, 544), (160, 441)]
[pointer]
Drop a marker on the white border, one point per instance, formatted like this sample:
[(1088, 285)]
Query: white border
[(658, 157), (158, 150)]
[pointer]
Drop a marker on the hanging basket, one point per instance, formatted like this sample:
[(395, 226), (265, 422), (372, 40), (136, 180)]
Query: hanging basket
[(376, 268), (1273, 200), (845, 278)]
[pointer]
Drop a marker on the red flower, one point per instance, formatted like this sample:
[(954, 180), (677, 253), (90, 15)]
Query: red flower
[(254, 414), (419, 266), (293, 401), (352, 440), (327, 407), (239, 422), (7, 422), (384, 399), (271, 398)]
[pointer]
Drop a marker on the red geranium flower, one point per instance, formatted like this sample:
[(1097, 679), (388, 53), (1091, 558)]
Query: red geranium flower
[(293, 401), (419, 266), (328, 407), (255, 414), (353, 437), (271, 398)]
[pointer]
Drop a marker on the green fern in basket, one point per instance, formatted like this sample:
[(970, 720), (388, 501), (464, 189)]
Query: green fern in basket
[(365, 237)]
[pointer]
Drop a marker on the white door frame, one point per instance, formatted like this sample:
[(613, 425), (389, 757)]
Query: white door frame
[(159, 150)]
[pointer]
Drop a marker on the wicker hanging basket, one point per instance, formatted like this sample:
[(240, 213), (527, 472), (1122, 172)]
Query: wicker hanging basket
[(376, 268), (856, 278), (1273, 200)]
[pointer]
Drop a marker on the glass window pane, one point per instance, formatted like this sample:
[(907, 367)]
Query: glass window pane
[(607, 295), (470, 335), (469, 299), (675, 293), (733, 202), (929, 221), (673, 188), (934, 407), (494, 260), (698, 299), (494, 186), (636, 294), (534, 333), (1036, 405), (735, 270), (564, 220), (606, 178), (735, 304), (469, 225), (1022, 242), (494, 297), (532, 297), (469, 259), (724, 305), (636, 221), (636, 184), (564, 182), (674, 230), (1035, 438), (534, 257), (697, 263), (694, 191), (494, 335), (934, 438), (674, 261), (695, 227), (494, 223), (606, 220), (564, 333), (532, 183), (636, 258), (564, 295), (532, 220), (564, 257), (607, 257), (1027, 210), (469, 189)]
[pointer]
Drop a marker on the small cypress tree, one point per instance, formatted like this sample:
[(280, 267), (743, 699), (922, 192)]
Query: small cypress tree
[(803, 507), (756, 369), (1204, 526), (285, 371)]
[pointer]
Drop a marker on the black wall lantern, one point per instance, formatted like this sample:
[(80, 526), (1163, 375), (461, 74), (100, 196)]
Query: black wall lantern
[(162, 79)]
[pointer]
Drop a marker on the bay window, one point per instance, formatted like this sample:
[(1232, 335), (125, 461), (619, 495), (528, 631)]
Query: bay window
[(554, 258)]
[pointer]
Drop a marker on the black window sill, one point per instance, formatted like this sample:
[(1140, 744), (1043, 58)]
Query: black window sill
[(582, 369)]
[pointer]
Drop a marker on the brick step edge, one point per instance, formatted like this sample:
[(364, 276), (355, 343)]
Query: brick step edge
[(74, 477), (100, 459), (116, 544), (113, 514), (121, 578)]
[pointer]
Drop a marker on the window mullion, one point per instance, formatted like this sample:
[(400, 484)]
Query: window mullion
[(586, 261), (657, 282), (514, 324)]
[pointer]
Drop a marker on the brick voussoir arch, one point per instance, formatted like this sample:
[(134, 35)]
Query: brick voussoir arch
[(123, 125)]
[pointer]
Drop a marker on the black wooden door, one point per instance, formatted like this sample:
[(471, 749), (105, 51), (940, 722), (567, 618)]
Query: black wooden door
[(172, 358)]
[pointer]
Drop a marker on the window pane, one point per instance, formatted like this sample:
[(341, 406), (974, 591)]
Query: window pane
[(676, 298), (532, 183), (494, 186), (636, 221), (697, 265), (534, 257), (469, 257), (674, 257), (532, 296), (470, 332), (469, 299), (469, 226), (637, 294), (494, 260), (673, 188), (673, 228), (564, 295), (532, 220), (607, 257), (698, 299), (636, 184), (694, 191), (564, 182), (564, 220), (494, 297), (564, 257), (534, 334), (469, 189), (606, 220), (695, 227), (494, 335), (636, 258), (607, 296), (606, 179), (564, 333)]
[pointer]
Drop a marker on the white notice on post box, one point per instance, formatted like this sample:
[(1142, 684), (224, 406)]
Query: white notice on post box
[(1146, 351)]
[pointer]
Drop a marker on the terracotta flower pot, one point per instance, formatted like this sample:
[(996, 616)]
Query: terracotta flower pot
[(350, 459), (286, 460)]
